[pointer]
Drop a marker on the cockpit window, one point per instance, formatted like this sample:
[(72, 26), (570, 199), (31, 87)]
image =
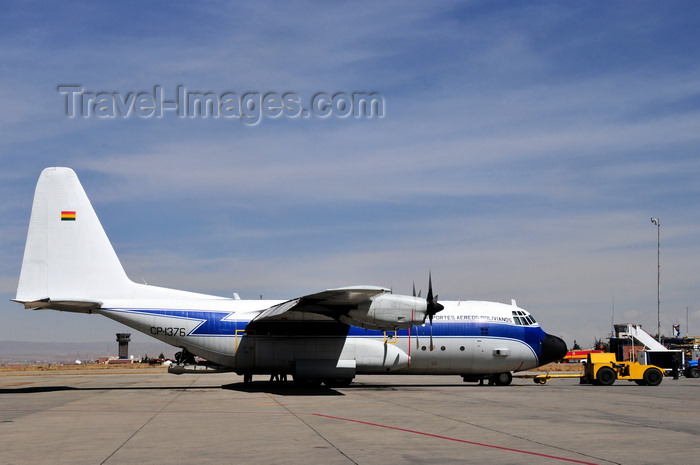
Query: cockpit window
[(522, 319)]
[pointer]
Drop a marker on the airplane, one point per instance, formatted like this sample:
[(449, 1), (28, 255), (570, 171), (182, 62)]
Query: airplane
[(327, 337)]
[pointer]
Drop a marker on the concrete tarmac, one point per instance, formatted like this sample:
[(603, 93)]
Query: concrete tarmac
[(159, 418)]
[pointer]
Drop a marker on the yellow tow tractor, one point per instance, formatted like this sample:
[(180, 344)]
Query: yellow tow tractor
[(603, 369)]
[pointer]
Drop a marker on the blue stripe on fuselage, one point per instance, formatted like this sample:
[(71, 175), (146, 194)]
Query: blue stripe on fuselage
[(214, 324), (530, 335)]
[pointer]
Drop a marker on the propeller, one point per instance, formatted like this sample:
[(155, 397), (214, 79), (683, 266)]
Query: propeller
[(432, 306), (414, 290)]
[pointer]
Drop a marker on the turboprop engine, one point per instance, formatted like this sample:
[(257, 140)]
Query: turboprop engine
[(388, 312)]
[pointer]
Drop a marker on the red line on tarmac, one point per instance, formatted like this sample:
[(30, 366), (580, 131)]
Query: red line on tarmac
[(455, 439)]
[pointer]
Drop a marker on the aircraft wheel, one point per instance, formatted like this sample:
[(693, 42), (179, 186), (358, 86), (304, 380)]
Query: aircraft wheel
[(606, 376), (307, 382), (337, 382), (653, 377), (540, 380), (502, 379)]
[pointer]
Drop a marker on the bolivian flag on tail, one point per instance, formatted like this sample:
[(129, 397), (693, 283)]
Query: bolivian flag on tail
[(67, 216)]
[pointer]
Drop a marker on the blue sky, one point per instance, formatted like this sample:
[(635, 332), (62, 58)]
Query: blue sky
[(523, 149)]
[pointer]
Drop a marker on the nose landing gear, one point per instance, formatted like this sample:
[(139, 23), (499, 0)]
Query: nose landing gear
[(497, 379)]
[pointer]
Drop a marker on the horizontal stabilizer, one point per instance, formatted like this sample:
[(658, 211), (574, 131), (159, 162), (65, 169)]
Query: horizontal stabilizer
[(77, 306)]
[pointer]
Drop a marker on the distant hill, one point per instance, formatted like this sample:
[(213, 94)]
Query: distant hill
[(20, 351)]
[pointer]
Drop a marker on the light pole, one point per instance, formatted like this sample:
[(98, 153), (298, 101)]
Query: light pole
[(657, 222)]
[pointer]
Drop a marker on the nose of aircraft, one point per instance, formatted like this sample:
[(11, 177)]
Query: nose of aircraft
[(553, 349)]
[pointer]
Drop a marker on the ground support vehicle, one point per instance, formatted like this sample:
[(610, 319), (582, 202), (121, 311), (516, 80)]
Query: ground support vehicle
[(691, 369), (604, 369)]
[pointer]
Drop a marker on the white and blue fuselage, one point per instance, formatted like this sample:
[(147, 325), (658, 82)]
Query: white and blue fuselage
[(469, 338)]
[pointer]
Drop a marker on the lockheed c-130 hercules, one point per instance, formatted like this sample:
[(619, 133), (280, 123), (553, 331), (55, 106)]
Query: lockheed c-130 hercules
[(331, 336)]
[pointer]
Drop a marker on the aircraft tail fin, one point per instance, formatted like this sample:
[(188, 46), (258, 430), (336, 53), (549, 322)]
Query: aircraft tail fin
[(68, 256)]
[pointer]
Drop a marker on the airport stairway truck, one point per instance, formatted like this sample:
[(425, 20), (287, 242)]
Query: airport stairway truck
[(654, 353)]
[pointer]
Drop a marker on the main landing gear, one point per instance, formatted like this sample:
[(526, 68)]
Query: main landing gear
[(281, 379), (497, 379)]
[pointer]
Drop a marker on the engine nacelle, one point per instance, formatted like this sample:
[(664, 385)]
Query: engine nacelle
[(388, 312)]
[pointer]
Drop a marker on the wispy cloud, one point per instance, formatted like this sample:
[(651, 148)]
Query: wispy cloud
[(523, 150)]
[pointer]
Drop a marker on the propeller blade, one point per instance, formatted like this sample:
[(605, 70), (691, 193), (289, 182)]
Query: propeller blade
[(431, 334), (432, 306), (430, 286), (420, 291)]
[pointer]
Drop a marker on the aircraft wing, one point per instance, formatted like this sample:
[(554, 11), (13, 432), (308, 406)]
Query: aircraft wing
[(368, 307), (331, 302)]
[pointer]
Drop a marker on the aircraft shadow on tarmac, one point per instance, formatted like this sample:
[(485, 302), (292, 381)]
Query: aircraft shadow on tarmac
[(282, 389), (271, 388), (291, 389), (35, 389), (39, 389)]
